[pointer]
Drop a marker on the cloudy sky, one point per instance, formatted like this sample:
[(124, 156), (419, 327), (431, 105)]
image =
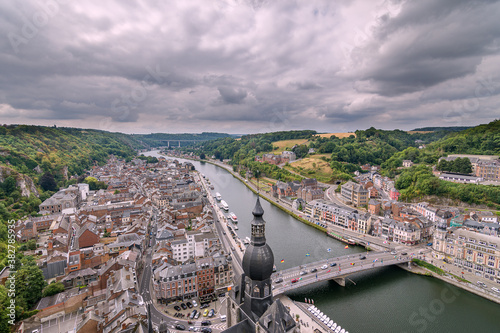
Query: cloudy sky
[(246, 66)]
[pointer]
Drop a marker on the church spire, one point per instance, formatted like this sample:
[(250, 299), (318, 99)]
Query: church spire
[(258, 225)]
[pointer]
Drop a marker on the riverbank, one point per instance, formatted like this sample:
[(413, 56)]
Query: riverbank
[(451, 279)]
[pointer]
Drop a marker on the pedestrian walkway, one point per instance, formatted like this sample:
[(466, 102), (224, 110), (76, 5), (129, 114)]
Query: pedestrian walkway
[(306, 321)]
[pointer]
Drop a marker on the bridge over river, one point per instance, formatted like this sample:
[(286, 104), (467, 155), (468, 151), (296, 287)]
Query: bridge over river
[(342, 267)]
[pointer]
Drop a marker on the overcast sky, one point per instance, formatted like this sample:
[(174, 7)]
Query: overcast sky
[(246, 66)]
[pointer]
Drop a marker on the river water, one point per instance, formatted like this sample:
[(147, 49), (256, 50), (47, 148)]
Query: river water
[(382, 300)]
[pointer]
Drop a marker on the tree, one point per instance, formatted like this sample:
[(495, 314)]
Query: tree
[(9, 185), (92, 182), (52, 289), (29, 283), (202, 156), (47, 182)]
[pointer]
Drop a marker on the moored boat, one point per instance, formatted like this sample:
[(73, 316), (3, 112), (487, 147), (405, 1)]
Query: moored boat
[(218, 196), (233, 217), (224, 205)]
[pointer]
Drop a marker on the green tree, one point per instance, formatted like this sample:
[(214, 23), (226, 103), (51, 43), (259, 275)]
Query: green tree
[(4, 303), (29, 283), (52, 289), (92, 182), (202, 156), (9, 185), (47, 182)]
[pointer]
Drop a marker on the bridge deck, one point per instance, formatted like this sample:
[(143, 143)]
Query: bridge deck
[(344, 266)]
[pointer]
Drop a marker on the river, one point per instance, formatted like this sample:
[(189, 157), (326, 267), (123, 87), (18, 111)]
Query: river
[(382, 300)]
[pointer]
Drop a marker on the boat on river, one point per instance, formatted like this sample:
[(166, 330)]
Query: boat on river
[(218, 196), (341, 238), (233, 217), (224, 205)]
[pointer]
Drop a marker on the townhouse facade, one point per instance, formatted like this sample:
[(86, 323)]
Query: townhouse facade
[(472, 251)]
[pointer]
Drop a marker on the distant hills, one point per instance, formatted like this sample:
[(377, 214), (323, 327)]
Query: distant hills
[(436, 129), (186, 139)]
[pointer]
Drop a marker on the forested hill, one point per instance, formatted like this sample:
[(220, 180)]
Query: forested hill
[(437, 129), (23, 148), (482, 139)]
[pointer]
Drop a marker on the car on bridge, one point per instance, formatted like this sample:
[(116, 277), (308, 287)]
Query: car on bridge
[(278, 280), (295, 280), (333, 264), (313, 270), (362, 257), (481, 284), (303, 273), (324, 266)]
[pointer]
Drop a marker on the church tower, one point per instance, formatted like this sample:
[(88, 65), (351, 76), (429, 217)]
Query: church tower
[(258, 262)]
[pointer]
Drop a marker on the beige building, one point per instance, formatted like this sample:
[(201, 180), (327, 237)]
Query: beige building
[(354, 193), (477, 253)]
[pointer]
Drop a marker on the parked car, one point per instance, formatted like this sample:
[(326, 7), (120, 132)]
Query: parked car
[(303, 273), (313, 270), (205, 313), (180, 327), (481, 284), (333, 264), (194, 303), (206, 323), (193, 314), (362, 257), (206, 330), (324, 266), (211, 313), (278, 280), (189, 305), (197, 315), (404, 253), (177, 308), (295, 280), (222, 295), (183, 306)]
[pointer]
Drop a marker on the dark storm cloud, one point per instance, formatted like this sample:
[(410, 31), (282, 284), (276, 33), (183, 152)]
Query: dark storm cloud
[(248, 66), (428, 43), (232, 95)]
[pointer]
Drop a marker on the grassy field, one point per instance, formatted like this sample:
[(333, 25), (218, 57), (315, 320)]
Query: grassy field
[(338, 135), (264, 183), (313, 167), (287, 144)]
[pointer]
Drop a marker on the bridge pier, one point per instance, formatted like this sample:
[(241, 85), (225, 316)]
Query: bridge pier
[(340, 281)]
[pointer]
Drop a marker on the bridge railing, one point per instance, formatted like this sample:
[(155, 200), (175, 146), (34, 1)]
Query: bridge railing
[(337, 274)]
